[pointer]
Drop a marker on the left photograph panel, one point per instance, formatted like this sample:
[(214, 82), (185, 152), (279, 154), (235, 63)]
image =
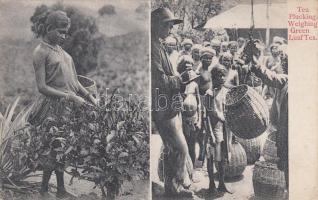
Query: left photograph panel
[(74, 99)]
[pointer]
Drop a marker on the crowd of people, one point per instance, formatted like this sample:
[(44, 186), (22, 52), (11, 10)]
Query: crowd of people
[(198, 76)]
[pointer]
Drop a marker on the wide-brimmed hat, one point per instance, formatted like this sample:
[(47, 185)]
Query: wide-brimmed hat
[(188, 76), (164, 15)]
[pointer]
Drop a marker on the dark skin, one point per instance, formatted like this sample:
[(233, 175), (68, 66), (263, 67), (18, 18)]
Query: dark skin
[(55, 36), (196, 54), (219, 79), (206, 61)]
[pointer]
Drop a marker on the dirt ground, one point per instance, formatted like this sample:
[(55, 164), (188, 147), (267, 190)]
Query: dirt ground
[(242, 186), (82, 190)]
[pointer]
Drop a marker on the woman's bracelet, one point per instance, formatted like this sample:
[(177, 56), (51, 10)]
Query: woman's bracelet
[(67, 96)]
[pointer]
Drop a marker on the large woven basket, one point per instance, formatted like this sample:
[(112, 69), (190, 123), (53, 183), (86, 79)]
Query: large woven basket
[(246, 112), (270, 150), (237, 163), (88, 83), (268, 182), (252, 148)]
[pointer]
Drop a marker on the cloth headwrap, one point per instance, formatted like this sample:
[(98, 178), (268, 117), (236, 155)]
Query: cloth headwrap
[(215, 42), (207, 51), (224, 43), (170, 40), (227, 55), (232, 43), (196, 47), (58, 18), (187, 41)]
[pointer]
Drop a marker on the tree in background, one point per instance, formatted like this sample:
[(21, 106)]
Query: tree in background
[(107, 10), (194, 15), (83, 34)]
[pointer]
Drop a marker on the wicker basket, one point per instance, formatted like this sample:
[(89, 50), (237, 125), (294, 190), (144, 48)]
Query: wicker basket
[(246, 112), (252, 148), (237, 163), (88, 83), (270, 150), (268, 181)]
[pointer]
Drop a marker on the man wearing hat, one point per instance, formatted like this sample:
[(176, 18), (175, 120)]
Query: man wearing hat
[(196, 56), (171, 47), (166, 108), (224, 47), (187, 45), (216, 45), (206, 56)]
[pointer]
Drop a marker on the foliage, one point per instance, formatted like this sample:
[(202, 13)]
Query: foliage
[(107, 144), (10, 167), (107, 10), (194, 15), (81, 43)]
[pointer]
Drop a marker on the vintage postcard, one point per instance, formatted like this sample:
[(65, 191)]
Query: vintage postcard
[(74, 119), (221, 122)]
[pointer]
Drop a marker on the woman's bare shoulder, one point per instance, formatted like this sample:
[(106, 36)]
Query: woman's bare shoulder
[(40, 51)]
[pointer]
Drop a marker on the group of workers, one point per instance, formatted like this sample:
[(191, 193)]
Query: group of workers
[(189, 86)]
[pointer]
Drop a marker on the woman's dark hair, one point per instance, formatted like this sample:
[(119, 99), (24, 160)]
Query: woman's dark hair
[(39, 24)]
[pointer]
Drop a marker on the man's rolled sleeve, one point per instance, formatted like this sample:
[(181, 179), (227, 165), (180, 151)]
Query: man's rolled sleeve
[(269, 77)]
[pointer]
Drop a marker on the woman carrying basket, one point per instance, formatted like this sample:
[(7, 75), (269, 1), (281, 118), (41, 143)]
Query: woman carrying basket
[(60, 90)]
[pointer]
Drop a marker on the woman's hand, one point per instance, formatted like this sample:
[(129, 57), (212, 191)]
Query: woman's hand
[(93, 100), (77, 99)]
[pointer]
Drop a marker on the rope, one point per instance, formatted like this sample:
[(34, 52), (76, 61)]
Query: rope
[(252, 14)]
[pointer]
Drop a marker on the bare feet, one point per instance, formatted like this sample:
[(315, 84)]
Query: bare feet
[(224, 189)]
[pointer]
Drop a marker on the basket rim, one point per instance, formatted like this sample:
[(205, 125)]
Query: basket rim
[(93, 83), (242, 85)]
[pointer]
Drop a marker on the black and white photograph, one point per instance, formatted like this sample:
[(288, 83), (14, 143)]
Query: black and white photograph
[(219, 99), (74, 95)]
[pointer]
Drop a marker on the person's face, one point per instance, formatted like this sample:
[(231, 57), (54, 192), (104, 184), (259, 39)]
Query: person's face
[(224, 48), (206, 60), (216, 48), (240, 43), (164, 29), (57, 35), (233, 49), (196, 54), (171, 47), (187, 47), (220, 78), (226, 62), (274, 51)]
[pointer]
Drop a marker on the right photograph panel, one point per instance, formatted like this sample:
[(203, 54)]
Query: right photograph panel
[(219, 87)]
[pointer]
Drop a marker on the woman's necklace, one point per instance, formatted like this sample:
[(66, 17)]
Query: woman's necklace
[(55, 48)]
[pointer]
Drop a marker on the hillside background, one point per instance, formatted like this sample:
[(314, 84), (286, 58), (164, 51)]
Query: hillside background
[(122, 60)]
